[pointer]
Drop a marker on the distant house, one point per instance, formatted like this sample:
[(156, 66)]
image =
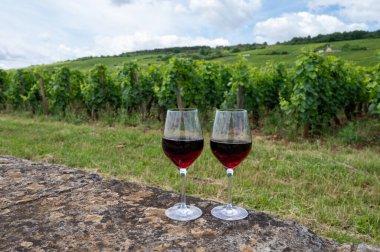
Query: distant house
[(329, 50)]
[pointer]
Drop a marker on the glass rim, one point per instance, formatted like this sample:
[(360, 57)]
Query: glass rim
[(231, 110), (182, 109)]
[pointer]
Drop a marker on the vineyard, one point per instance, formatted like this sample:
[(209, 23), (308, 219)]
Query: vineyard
[(362, 52), (318, 91), (330, 186)]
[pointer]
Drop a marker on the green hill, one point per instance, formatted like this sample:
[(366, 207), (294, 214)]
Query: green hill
[(363, 52)]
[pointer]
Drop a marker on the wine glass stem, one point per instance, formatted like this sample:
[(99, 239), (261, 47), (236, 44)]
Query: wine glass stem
[(182, 172), (229, 177)]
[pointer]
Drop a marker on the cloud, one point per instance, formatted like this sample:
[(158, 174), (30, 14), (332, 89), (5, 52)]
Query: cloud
[(29, 47), (61, 30), (20, 55), (300, 24), (354, 10), (38, 32), (121, 2), (141, 41), (5, 55), (224, 13)]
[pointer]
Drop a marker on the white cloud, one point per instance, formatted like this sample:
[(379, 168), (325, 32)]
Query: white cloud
[(354, 10), (180, 9), (300, 24), (37, 32), (140, 41), (60, 30), (225, 13), (34, 53)]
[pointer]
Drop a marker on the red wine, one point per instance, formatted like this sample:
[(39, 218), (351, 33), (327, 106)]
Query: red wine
[(230, 154), (182, 152)]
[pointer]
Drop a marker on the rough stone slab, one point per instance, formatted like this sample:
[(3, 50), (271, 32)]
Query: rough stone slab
[(367, 248), (53, 208)]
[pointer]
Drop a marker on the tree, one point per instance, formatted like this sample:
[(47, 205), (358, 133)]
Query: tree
[(77, 80), (373, 86), (129, 82), (43, 78), (65, 89), (244, 92), (178, 79), (60, 89), (99, 92), (4, 82), (240, 77), (21, 91), (151, 81), (211, 84), (311, 102)]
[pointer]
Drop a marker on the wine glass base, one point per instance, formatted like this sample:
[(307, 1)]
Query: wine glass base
[(177, 212), (229, 214)]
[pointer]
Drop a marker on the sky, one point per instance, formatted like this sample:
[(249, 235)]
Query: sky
[(44, 31)]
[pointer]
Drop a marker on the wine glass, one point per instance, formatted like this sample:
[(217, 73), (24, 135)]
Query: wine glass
[(182, 144), (230, 143)]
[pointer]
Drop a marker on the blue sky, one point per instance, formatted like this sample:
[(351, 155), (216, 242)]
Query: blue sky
[(45, 31)]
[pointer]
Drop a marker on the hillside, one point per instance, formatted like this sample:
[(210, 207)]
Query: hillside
[(362, 52)]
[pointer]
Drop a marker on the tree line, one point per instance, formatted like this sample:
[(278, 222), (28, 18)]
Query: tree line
[(336, 36), (208, 53), (315, 92)]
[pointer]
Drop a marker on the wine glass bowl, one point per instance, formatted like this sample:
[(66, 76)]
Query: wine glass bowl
[(231, 142), (182, 143), (182, 152), (230, 153)]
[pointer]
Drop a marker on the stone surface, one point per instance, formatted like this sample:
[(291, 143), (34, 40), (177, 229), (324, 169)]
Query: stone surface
[(367, 248), (53, 208)]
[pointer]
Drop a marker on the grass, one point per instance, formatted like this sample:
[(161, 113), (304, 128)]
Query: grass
[(111, 62), (256, 57), (327, 185), (259, 57)]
